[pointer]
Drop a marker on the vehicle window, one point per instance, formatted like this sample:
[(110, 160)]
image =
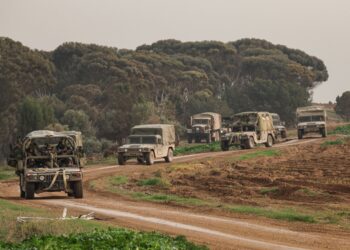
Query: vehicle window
[(149, 140), (200, 121), (134, 140)]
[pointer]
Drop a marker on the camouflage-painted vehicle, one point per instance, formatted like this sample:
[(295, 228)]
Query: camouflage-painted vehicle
[(311, 119), (48, 161), (204, 126), (248, 130), (149, 142), (280, 129)]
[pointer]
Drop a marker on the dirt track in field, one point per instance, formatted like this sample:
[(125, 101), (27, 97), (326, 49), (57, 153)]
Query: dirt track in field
[(215, 228)]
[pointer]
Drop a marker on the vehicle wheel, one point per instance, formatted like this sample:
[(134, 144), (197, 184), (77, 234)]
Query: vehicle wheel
[(197, 140), (150, 158), (284, 134), (300, 134), (140, 160), (22, 193), (208, 139), (269, 142), (250, 143), (30, 189), (70, 194), (78, 189), (225, 146), (169, 157), (121, 159), (189, 139), (323, 132)]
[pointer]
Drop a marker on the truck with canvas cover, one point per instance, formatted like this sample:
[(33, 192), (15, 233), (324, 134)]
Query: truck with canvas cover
[(249, 129), (48, 161), (311, 119), (204, 126), (149, 142)]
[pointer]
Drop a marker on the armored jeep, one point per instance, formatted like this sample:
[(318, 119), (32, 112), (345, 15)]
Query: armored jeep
[(48, 161), (204, 126), (147, 143), (248, 130), (280, 129), (311, 119)]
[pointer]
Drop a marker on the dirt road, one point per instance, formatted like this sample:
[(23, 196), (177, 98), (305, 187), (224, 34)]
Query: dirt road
[(217, 230)]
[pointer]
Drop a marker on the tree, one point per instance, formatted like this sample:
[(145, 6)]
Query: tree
[(78, 120), (343, 105)]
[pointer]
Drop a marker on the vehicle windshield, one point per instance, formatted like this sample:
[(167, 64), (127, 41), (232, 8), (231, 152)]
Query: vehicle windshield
[(311, 118), (200, 121), (142, 140)]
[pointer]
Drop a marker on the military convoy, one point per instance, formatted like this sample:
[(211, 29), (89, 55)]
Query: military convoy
[(149, 142), (204, 126), (248, 130), (311, 119), (48, 161)]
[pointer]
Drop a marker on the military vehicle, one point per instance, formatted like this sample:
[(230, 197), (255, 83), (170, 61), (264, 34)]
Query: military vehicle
[(147, 143), (311, 119), (48, 161), (204, 126), (226, 124), (280, 129), (248, 130)]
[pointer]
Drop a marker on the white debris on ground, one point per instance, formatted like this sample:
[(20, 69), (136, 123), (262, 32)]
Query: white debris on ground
[(89, 216)]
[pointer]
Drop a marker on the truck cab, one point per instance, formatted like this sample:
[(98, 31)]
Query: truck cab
[(204, 126), (147, 143), (311, 119)]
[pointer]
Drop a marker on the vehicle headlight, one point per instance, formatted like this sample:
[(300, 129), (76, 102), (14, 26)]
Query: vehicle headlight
[(41, 177)]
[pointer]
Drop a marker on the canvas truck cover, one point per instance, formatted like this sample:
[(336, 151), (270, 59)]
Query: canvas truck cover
[(77, 136), (215, 117), (311, 110), (48, 133), (264, 119), (167, 131)]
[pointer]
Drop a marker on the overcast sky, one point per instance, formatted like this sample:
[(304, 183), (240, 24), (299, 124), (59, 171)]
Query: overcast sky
[(318, 27)]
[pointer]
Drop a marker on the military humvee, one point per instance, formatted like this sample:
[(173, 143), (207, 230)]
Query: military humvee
[(48, 161), (311, 119), (147, 143), (280, 129), (204, 126), (249, 129)]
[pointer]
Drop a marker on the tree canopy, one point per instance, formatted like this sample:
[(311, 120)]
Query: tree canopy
[(104, 90)]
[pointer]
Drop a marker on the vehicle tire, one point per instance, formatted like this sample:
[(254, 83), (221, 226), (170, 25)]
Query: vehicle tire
[(323, 132), (197, 140), (269, 141), (284, 134), (189, 139), (300, 134), (22, 194), (250, 143), (30, 189), (169, 157), (225, 146), (78, 189), (140, 160), (121, 159), (208, 139), (150, 158)]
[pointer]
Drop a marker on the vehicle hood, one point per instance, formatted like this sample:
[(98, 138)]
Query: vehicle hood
[(311, 123), (136, 146)]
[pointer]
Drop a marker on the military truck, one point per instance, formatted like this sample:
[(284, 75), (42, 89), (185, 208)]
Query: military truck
[(248, 130), (147, 143), (48, 161), (311, 119), (280, 129), (204, 126)]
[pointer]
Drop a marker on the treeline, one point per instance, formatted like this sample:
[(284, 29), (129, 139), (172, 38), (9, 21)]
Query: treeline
[(103, 91)]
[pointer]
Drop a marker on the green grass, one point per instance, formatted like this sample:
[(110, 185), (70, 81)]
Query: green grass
[(286, 214), (118, 180), (332, 143), (268, 190), (7, 173), (166, 198), (342, 130), (154, 182), (268, 153), (197, 148), (111, 160)]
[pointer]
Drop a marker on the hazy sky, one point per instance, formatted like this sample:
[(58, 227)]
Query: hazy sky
[(318, 27)]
